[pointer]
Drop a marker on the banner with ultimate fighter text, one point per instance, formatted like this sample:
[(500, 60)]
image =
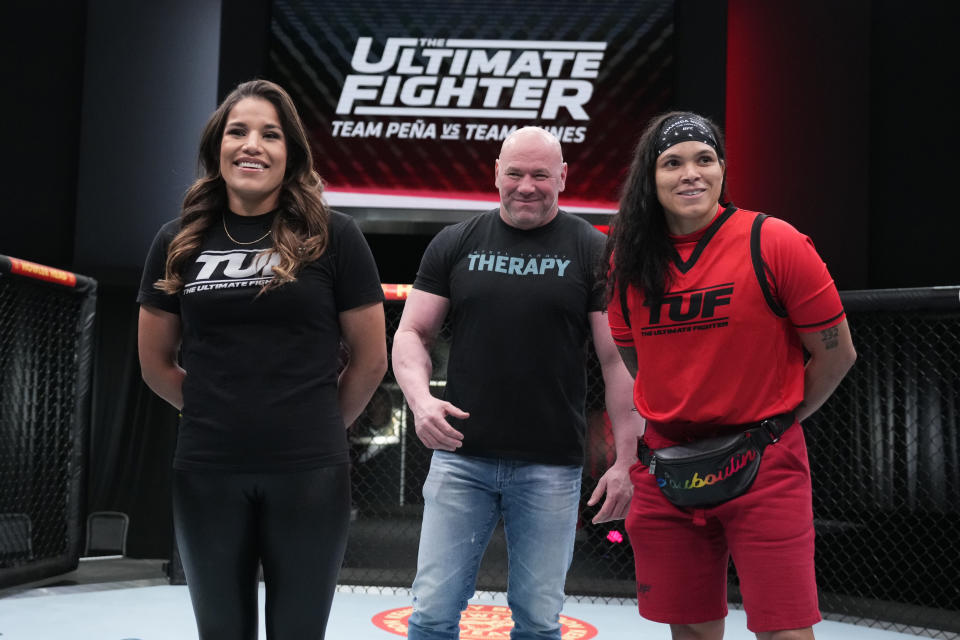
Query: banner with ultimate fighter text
[(412, 98)]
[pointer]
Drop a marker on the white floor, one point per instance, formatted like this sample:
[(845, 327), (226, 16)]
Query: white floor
[(151, 611)]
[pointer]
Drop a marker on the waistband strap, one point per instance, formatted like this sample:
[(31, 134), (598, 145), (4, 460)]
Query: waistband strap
[(767, 431)]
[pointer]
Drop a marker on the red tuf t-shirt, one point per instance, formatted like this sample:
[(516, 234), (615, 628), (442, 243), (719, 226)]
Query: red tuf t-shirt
[(714, 352)]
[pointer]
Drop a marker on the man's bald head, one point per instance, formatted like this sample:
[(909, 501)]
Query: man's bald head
[(529, 134), (530, 174)]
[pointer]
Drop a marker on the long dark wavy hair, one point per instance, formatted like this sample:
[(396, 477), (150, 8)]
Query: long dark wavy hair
[(299, 231), (639, 250)]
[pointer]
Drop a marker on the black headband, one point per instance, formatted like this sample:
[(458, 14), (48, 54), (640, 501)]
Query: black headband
[(684, 128)]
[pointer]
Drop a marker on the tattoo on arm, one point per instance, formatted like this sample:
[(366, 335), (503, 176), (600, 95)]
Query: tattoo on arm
[(830, 338)]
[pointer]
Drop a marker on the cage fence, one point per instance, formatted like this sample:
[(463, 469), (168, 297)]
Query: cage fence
[(884, 454), (885, 460), (46, 320)]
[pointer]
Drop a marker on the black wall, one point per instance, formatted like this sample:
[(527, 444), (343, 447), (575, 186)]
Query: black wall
[(149, 86), (914, 224), (42, 62)]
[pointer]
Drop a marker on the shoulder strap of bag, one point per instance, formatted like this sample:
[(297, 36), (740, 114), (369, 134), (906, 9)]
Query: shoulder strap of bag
[(624, 309), (760, 269)]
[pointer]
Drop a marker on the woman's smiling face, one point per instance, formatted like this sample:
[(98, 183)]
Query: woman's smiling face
[(689, 179), (253, 156)]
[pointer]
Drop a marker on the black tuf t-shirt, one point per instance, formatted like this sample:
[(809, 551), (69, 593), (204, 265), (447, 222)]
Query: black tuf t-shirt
[(261, 387)]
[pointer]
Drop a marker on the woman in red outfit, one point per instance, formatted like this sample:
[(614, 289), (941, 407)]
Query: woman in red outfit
[(713, 308)]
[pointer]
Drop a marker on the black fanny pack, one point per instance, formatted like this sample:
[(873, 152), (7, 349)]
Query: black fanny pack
[(709, 472)]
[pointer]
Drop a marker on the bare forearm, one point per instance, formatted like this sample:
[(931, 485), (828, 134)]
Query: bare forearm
[(167, 382), (627, 427), (626, 433), (820, 380), (412, 367), (619, 368), (158, 345), (831, 356), (627, 424), (356, 386)]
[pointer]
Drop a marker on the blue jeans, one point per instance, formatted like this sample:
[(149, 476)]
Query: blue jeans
[(464, 498)]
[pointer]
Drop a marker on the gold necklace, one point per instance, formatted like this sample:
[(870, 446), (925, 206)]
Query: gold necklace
[(224, 218)]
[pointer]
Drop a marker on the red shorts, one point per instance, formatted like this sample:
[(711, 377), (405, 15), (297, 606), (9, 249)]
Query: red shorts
[(681, 555)]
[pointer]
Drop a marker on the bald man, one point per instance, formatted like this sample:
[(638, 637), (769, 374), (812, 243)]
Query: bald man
[(520, 286)]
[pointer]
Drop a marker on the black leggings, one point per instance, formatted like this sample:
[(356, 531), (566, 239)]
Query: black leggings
[(294, 524)]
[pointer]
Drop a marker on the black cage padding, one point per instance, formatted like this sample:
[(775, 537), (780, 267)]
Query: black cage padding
[(46, 358)]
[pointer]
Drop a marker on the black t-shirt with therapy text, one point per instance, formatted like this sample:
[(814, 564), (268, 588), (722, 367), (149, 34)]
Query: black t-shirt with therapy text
[(260, 392), (519, 304)]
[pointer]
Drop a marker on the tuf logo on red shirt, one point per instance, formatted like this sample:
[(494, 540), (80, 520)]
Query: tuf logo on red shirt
[(682, 311)]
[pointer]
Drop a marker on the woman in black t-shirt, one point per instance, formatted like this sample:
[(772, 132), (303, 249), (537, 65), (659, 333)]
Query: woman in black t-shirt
[(245, 301)]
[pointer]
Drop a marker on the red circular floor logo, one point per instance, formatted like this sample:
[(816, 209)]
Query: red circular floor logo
[(483, 622)]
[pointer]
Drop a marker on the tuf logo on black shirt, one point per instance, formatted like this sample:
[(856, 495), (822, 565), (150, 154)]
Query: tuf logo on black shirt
[(683, 311), (232, 269)]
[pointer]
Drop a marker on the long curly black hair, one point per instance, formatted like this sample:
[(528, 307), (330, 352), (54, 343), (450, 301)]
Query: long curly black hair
[(639, 250)]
